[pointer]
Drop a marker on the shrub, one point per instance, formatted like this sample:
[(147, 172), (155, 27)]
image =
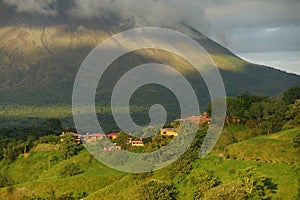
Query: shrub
[(256, 185), (50, 139), (70, 169), (202, 181), (5, 180), (230, 191), (157, 190), (297, 140)]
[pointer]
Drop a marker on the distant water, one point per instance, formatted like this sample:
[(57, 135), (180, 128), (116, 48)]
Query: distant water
[(287, 61)]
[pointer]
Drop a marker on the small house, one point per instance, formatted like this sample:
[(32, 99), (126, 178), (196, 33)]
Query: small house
[(137, 143), (112, 136), (168, 132)]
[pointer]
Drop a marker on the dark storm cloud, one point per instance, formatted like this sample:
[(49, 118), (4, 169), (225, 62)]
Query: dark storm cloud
[(40, 7), (272, 25)]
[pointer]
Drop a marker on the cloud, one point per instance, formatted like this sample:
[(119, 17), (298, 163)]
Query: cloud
[(255, 25), (141, 12), (241, 25), (40, 7), (288, 61), (265, 39)]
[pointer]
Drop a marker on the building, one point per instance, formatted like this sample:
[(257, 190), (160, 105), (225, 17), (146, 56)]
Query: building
[(202, 119), (112, 136), (137, 143), (93, 137), (168, 132)]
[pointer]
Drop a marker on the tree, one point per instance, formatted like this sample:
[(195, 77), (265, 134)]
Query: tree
[(256, 185), (157, 142), (50, 139), (51, 126), (157, 190), (297, 140), (11, 152), (5, 180), (244, 103), (4, 146), (293, 115), (291, 95), (122, 140), (28, 144), (202, 180), (232, 107), (180, 169), (70, 169), (267, 116), (274, 115), (255, 114), (69, 146), (229, 191)]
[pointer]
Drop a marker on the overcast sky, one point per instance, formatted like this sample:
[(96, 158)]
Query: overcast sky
[(250, 28), (265, 32)]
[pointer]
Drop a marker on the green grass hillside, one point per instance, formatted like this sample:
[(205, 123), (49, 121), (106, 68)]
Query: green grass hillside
[(39, 173), (276, 148)]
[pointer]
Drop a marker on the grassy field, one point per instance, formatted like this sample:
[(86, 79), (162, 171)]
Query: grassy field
[(284, 175), (276, 148), (39, 172)]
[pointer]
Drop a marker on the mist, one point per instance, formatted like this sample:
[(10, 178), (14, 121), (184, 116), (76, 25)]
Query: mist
[(39, 7), (142, 12), (233, 23)]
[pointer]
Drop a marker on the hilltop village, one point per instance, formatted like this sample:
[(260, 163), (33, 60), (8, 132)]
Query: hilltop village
[(121, 139)]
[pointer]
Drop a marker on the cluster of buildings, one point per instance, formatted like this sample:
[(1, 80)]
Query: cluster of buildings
[(94, 137), (167, 132)]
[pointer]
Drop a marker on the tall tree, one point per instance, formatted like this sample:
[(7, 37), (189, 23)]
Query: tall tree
[(291, 95), (122, 140), (68, 146), (274, 116), (256, 114), (293, 115)]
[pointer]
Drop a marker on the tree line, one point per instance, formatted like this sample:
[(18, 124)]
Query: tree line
[(265, 114)]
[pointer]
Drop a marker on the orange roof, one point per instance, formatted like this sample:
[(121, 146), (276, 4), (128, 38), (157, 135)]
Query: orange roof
[(112, 134), (166, 129)]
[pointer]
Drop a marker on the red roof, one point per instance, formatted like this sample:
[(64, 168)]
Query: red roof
[(113, 134), (166, 129)]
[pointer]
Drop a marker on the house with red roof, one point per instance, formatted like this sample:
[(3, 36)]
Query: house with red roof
[(112, 136)]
